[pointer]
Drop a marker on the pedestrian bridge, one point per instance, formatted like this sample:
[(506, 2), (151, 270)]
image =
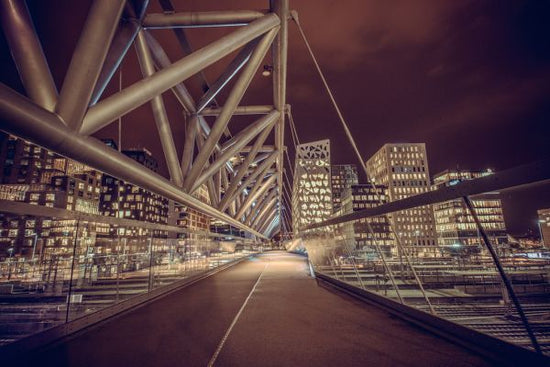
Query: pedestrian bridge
[(267, 310)]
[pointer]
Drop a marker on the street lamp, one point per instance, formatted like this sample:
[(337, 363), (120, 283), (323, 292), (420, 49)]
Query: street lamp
[(268, 69), (540, 231)]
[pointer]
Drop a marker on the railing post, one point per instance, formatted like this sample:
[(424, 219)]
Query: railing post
[(503, 275)]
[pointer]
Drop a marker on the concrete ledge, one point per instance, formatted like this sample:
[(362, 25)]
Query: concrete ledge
[(497, 350)]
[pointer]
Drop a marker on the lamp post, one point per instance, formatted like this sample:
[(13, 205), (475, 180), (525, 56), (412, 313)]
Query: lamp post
[(540, 231)]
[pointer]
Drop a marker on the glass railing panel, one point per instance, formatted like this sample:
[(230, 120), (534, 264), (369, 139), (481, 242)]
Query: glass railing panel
[(55, 270), (35, 264), (460, 280)]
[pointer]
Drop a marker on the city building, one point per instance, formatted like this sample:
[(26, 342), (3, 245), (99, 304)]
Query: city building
[(33, 175), (403, 169), (342, 177), (143, 156), (544, 226), (124, 200), (21, 161), (456, 230), (192, 219), (311, 192), (363, 196)]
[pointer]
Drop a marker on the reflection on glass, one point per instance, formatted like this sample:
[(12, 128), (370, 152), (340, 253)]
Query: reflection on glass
[(60, 269), (460, 282)]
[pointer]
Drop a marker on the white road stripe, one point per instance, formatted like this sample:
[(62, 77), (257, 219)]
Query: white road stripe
[(222, 342)]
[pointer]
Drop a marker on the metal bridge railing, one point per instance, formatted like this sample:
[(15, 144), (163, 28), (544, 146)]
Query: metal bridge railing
[(489, 284), (71, 265)]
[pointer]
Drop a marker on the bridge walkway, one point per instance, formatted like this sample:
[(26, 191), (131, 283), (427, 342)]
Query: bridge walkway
[(265, 311)]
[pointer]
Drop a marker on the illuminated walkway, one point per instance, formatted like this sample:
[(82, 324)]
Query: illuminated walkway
[(266, 311)]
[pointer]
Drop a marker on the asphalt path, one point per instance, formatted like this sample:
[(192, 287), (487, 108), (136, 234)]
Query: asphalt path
[(265, 311)]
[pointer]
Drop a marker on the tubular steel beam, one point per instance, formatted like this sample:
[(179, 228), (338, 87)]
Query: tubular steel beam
[(21, 117), (263, 123), (210, 183), (27, 53), (144, 90), (162, 62), (255, 195), (159, 113), (280, 52), (265, 206), (235, 181), (125, 34), (189, 144), (232, 101), (123, 39), (234, 139), (180, 91), (260, 170), (87, 61), (272, 228), (240, 111), (263, 149), (510, 178), (265, 225), (201, 19), (260, 204), (232, 69)]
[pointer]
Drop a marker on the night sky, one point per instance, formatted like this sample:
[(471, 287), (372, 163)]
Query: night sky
[(471, 79)]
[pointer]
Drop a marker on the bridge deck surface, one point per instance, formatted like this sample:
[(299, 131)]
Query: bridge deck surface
[(265, 311)]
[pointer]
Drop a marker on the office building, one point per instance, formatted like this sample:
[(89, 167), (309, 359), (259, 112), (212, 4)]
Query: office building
[(457, 232), (364, 196), (544, 226), (342, 177), (311, 193), (403, 169)]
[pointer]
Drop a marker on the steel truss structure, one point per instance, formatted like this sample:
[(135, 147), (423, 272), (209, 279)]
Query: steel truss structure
[(248, 194)]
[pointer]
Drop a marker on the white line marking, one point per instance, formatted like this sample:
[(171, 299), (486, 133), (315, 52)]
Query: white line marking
[(222, 342)]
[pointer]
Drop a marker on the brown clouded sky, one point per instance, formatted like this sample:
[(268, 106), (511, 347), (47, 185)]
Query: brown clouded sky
[(471, 79)]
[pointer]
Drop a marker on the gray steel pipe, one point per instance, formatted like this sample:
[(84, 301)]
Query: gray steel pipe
[(232, 101), (275, 224), (87, 61), (144, 90), (243, 169), (162, 62), (280, 55), (241, 110), (202, 19), (253, 196), (122, 40), (210, 183), (180, 91), (263, 123), (126, 32), (21, 117), (260, 204), (263, 149), (267, 204), (236, 138), (159, 113), (27, 53), (232, 69), (265, 225), (260, 170), (189, 144), (259, 181)]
